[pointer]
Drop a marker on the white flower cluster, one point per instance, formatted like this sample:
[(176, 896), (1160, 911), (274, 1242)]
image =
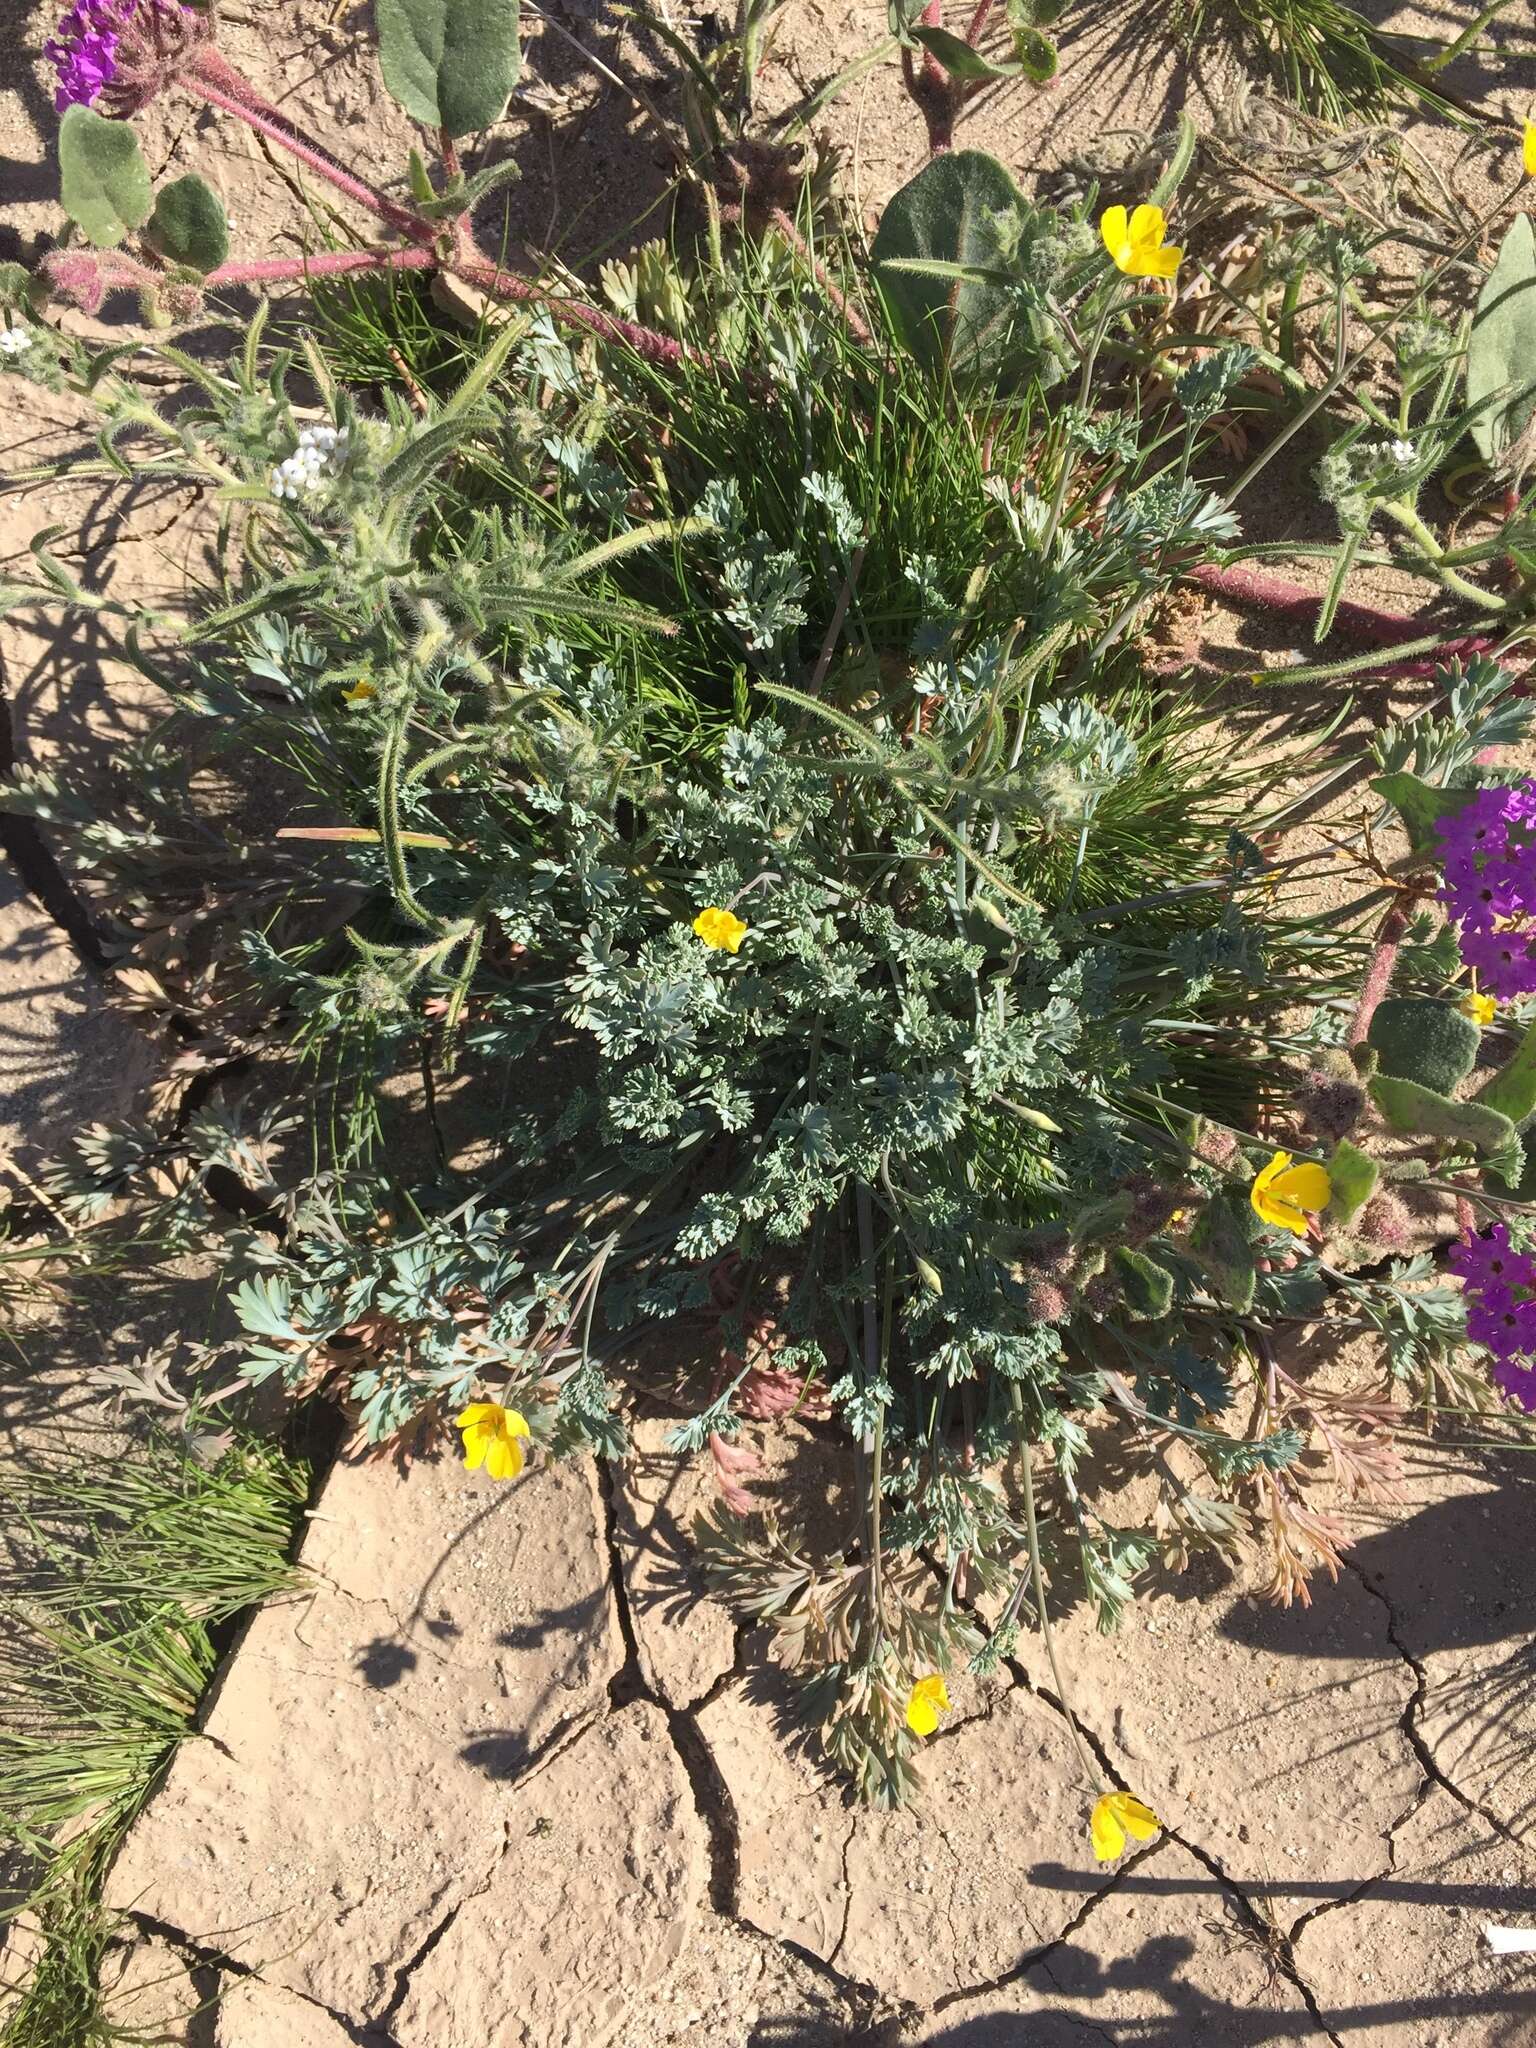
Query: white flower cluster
[(319, 451), (15, 341), (1403, 453)]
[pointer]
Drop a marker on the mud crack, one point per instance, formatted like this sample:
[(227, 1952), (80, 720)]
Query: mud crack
[(1408, 1721), (201, 1958), (711, 1795)]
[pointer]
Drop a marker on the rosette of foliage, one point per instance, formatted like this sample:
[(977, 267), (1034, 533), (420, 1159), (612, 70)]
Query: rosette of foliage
[(739, 771)]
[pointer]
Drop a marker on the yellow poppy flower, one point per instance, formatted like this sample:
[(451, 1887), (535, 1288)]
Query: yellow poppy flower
[(721, 929), (928, 1699), (1136, 242), (1481, 1009), (1115, 1816), (360, 692), (1528, 149), (491, 1438), (1284, 1194)]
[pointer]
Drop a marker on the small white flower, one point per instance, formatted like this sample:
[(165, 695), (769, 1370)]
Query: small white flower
[(320, 452), (15, 341), (1403, 453)]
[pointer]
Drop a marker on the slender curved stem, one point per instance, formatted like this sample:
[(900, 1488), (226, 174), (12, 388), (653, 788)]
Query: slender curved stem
[(213, 78)]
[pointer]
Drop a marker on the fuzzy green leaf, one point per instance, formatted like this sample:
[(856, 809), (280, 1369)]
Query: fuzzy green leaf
[(1419, 1038), (963, 208), (1146, 1287), (104, 180), (1423, 1113), (957, 57), (1512, 1090), (1036, 53), (1221, 1240), (1354, 1176), (189, 226), (1501, 351), (1421, 805), (451, 64)]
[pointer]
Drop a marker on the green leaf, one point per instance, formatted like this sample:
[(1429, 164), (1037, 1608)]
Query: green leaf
[(962, 208), (188, 224), (451, 64), (957, 56), (1420, 1038), (1354, 1176), (1512, 1090), (1146, 1287), (1036, 53), (104, 180), (1420, 805), (1423, 1113), (1221, 1241), (1501, 350)]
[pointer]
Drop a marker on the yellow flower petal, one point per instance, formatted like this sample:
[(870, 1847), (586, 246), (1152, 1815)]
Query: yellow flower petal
[(1116, 1815), (504, 1458), (359, 692), (491, 1438), (1165, 261), (1148, 226), (1483, 1009), (1282, 1193), (720, 929), (1528, 149), (928, 1699), (1114, 228), (1306, 1186)]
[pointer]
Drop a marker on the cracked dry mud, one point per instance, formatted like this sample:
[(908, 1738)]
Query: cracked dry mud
[(505, 1776)]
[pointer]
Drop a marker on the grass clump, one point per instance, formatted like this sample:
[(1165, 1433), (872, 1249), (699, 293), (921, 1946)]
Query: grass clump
[(127, 1570)]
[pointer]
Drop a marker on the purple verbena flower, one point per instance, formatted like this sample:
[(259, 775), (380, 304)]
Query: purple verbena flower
[(1516, 1381), (1489, 861), (120, 51), (1499, 1284)]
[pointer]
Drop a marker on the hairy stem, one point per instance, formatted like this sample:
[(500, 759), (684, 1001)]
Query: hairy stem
[(213, 78), (1379, 974), (324, 263)]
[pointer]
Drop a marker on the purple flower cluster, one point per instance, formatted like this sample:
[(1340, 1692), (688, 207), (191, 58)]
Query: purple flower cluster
[(86, 51), (1489, 851), (1500, 1287)]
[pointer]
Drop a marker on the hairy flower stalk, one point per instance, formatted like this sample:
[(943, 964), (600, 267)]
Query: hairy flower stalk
[(117, 55)]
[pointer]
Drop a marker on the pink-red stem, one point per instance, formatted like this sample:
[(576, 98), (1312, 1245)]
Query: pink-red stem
[(216, 80), (324, 263), (1378, 977)]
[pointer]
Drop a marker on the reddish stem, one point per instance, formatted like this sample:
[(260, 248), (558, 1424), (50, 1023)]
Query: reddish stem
[(213, 78), (656, 348), (978, 21), (934, 94), (325, 263), (1257, 592), (851, 318), (1379, 975), (1252, 591)]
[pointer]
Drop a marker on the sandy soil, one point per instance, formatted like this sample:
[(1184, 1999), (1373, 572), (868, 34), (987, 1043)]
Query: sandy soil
[(507, 1775)]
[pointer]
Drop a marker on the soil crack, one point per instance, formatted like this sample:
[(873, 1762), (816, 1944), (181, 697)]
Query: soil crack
[(1408, 1721), (711, 1795), (199, 1957)]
